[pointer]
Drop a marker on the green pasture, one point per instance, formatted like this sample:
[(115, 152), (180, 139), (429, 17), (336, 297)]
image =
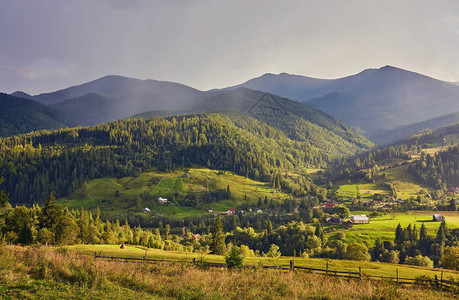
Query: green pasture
[(369, 268), (364, 189), (403, 182), (383, 227)]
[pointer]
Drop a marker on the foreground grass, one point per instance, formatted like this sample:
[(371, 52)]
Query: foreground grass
[(39, 273), (368, 268)]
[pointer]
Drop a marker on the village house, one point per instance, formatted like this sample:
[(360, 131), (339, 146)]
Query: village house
[(333, 220), (438, 218), (229, 212), (146, 210), (360, 219), (162, 200)]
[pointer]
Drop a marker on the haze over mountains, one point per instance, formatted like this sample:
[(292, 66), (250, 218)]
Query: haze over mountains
[(372, 100), (378, 102)]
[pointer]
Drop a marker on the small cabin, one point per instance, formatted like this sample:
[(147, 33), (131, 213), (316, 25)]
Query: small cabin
[(146, 210), (162, 200), (333, 220), (438, 218)]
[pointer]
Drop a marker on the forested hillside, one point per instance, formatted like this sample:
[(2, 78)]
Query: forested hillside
[(38, 163), (18, 115)]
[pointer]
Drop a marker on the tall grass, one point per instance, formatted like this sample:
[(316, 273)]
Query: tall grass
[(106, 279)]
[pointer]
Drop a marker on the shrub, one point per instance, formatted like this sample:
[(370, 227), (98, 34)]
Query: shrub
[(419, 260), (356, 251), (273, 251), (450, 258)]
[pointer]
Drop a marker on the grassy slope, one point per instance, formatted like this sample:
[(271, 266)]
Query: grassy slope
[(366, 190), (384, 227), (44, 273), (369, 268), (101, 192)]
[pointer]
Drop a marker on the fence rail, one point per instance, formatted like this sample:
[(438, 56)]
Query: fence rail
[(423, 281)]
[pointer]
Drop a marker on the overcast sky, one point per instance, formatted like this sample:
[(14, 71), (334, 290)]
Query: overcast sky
[(48, 45)]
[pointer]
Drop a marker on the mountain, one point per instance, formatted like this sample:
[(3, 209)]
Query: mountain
[(88, 110), (21, 94), (403, 132), (114, 97), (298, 121), (18, 115), (371, 100)]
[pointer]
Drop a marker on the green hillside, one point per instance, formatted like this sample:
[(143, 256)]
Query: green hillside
[(62, 160), (204, 189), (18, 115)]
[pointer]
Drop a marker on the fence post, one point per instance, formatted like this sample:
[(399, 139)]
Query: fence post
[(100, 253), (292, 265), (194, 260), (326, 270), (436, 280), (145, 257), (397, 275), (95, 254), (360, 272), (441, 278)]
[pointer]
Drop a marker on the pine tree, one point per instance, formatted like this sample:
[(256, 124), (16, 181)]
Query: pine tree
[(452, 205), (3, 196), (217, 245), (269, 226), (423, 232), (377, 250), (259, 204), (441, 233), (398, 235)]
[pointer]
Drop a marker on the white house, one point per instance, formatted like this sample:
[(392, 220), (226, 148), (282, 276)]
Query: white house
[(146, 210), (162, 200), (360, 219)]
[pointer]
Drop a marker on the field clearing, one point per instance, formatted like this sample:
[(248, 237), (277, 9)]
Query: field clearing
[(364, 189), (384, 227), (403, 182), (369, 268)]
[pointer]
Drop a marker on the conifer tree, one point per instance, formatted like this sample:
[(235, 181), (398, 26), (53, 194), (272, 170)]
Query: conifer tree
[(3, 196), (452, 205), (269, 226), (217, 245), (423, 232)]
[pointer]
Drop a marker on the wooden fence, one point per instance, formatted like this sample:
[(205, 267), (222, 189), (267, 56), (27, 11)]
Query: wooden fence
[(423, 281)]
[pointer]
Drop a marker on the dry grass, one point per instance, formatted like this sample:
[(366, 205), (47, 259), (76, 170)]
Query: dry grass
[(73, 275)]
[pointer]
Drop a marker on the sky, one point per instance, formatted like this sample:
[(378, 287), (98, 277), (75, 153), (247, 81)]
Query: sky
[(49, 45)]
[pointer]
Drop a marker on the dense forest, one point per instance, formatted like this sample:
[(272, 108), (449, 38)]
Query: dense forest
[(440, 171), (38, 163)]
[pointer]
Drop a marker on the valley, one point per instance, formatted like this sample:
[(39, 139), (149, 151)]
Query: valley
[(233, 174)]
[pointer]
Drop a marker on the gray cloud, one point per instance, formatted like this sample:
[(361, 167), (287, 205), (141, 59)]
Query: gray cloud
[(51, 44)]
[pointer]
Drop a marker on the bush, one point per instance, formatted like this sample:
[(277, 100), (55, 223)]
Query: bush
[(234, 259), (450, 258), (273, 251), (356, 251), (419, 260)]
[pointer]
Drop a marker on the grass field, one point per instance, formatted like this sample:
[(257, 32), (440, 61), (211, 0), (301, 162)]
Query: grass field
[(365, 189), (60, 273), (103, 193), (384, 227), (369, 268)]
